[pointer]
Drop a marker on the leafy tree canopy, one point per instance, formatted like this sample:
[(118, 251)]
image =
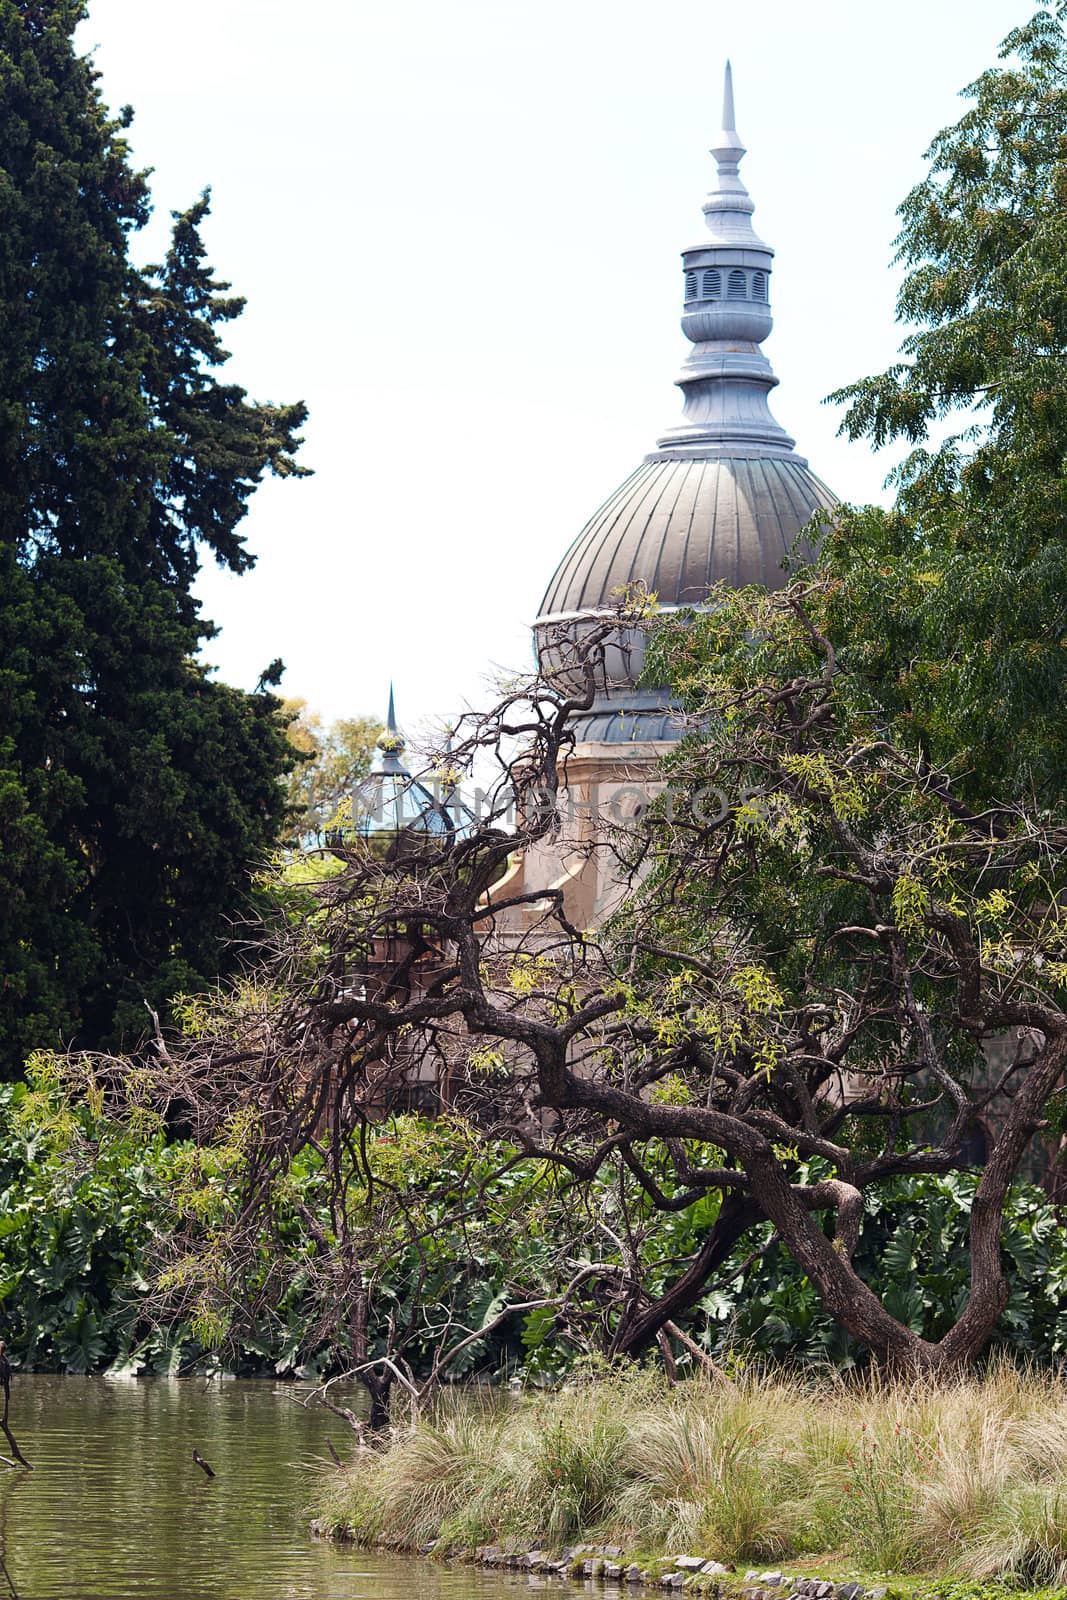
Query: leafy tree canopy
[(337, 756), (950, 608), (789, 1011)]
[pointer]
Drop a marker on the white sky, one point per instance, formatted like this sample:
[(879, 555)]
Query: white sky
[(457, 223)]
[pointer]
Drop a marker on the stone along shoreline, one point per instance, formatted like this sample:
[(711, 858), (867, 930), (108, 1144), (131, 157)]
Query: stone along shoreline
[(610, 1565)]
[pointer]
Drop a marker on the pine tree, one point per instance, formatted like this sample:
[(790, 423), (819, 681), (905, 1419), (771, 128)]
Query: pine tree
[(135, 791)]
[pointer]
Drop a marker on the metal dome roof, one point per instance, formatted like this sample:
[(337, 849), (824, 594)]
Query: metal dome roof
[(723, 499), (680, 526), (389, 804)]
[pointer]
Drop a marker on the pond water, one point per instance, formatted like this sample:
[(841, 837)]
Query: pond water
[(116, 1509)]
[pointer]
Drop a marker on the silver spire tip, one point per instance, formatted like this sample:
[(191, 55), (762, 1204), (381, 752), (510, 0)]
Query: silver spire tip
[(727, 147), (728, 118)]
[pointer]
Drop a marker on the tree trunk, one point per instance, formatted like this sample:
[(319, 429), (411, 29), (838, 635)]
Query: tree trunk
[(640, 1326), (380, 1391), (848, 1299), (843, 1292), (989, 1288)]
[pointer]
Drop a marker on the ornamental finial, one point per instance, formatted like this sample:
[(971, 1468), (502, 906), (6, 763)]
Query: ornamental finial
[(391, 744), (728, 101), (727, 316), (729, 207)]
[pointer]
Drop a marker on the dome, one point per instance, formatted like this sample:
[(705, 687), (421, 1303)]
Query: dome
[(392, 809), (723, 499), (680, 526)]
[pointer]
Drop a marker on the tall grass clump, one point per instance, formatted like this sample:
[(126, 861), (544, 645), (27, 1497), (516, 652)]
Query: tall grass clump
[(575, 1474), (714, 1475), (444, 1471), (966, 1478), (1025, 1538)]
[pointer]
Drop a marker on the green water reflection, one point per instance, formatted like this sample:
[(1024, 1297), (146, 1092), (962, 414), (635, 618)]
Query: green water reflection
[(117, 1510)]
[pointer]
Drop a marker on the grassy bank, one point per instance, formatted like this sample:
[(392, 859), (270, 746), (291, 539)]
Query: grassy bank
[(968, 1480)]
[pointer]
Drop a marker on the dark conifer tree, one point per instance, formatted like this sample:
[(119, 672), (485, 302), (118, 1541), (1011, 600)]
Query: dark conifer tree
[(135, 792)]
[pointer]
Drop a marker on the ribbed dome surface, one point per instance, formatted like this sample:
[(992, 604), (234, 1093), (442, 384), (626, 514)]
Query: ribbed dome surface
[(722, 500), (680, 526)]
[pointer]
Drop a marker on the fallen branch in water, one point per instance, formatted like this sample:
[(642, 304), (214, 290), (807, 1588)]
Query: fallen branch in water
[(202, 1464), (420, 1394), (20, 1459), (358, 1428), (7, 1575), (5, 1380)]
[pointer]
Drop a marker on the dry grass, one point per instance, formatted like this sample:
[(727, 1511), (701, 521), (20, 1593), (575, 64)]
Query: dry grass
[(968, 1478)]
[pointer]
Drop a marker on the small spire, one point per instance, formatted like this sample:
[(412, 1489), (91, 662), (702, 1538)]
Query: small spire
[(391, 744), (729, 203), (728, 101)]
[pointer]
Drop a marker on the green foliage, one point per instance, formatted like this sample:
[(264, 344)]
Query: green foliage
[(135, 791), (114, 1240), (77, 1204), (780, 864), (83, 1198), (949, 607), (337, 757), (91, 1205), (972, 1589)]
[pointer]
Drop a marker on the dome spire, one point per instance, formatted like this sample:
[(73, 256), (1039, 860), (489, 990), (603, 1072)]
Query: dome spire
[(391, 745), (728, 101), (727, 316), (728, 208), (391, 802)]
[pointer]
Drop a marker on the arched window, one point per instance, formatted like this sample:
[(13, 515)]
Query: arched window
[(712, 288), (759, 286), (735, 286), (690, 286)]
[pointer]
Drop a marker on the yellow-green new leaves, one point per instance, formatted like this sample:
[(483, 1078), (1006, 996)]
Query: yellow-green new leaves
[(734, 1015), (486, 1063), (528, 974), (762, 1002), (757, 989), (210, 1325), (829, 777), (995, 908), (911, 902)]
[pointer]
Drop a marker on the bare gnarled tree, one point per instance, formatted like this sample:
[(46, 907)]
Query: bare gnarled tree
[(792, 1005)]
